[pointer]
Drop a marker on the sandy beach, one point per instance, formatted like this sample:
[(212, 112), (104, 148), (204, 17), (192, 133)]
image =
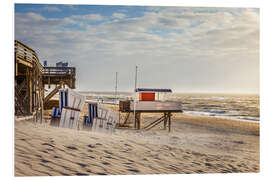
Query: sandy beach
[(195, 145)]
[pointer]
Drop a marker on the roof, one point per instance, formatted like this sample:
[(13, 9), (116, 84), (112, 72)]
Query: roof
[(152, 90)]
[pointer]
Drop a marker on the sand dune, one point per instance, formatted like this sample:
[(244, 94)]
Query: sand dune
[(43, 150)]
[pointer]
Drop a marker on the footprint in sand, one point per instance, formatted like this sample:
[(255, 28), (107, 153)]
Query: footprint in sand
[(196, 163), (239, 142), (47, 144), (82, 165), (100, 173), (92, 157), (127, 163), (110, 157), (186, 157), (199, 171), (72, 147), (44, 151), (208, 164), (91, 146), (108, 152), (133, 170), (81, 174), (106, 163), (44, 161)]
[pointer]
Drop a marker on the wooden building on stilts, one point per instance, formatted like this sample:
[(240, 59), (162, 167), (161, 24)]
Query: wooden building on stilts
[(30, 80)]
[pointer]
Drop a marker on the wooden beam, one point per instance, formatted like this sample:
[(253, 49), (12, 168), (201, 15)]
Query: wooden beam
[(52, 93), (165, 120), (153, 124), (26, 63)]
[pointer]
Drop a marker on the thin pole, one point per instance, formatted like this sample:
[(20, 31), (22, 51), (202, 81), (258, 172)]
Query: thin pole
[(135, 96), (116, 79), (136, 78)]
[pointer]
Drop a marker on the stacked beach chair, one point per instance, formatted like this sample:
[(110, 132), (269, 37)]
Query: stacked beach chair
[(100, 119), (70, 105), (67, 115)]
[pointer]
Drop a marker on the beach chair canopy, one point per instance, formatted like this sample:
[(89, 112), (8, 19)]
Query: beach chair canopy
[(152, 90)]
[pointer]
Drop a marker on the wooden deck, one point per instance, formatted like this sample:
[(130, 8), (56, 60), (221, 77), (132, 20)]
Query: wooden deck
[(164, 107), (54, 75), (31, 78)]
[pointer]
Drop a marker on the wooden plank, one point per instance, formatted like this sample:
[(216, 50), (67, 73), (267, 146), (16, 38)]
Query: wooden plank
[(26, 63), (52, 93), (165, 120), (156, 106)]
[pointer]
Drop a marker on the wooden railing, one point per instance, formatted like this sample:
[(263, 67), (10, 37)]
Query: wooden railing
[(59, 71), (27, 54)]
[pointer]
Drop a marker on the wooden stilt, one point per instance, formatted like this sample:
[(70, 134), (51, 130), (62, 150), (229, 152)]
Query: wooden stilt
[(138, 120), (165, 120), (169, 122)]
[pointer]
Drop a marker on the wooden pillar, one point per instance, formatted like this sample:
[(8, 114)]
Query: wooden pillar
[(139, 121), (119, 117), (41, 91), (169, 121), (27, 105), (16, 67), (49, 82), (30, 77), (165, 120)]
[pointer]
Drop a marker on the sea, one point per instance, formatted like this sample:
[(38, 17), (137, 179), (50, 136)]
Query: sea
[(233, 106)]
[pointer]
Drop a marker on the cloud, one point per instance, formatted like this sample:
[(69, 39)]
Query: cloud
[(89, 17), (51, 9), (194, 43), (118, 15)]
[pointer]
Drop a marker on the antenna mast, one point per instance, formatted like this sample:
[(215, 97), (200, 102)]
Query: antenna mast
[(135, 96), (116, 81)]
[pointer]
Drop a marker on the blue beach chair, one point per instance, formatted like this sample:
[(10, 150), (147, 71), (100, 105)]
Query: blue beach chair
[(92, 113)]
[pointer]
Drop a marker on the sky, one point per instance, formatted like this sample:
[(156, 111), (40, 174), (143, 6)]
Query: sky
[(187, 49)]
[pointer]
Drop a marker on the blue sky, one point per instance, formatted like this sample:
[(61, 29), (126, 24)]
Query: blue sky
[(187, 49)]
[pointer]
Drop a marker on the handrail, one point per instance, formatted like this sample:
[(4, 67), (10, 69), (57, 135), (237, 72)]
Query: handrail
[(50, 71), (27, 54)]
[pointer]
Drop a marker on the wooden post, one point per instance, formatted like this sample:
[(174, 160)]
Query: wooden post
[(169, 122), (165, 120), (119, 117), (30, 91), (138, 120)]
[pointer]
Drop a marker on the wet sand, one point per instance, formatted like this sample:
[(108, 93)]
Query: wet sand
[(195, 145)]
